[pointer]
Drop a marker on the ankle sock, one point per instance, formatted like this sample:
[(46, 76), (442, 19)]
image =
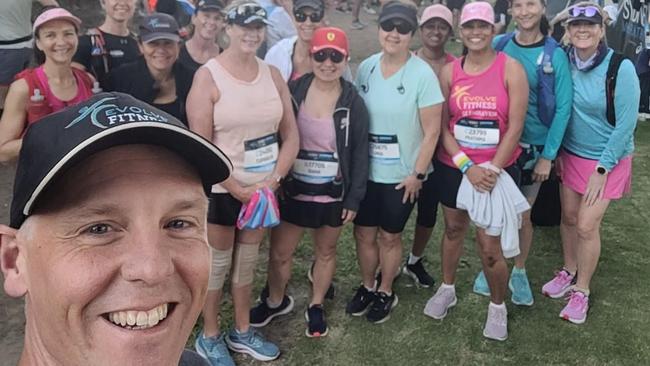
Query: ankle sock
[(452, 286), (498, 306), (272, 305), (413, 259)]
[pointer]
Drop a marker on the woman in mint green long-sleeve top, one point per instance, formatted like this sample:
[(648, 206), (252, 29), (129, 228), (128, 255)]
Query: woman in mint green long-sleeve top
[(540, 142), (596, 157)]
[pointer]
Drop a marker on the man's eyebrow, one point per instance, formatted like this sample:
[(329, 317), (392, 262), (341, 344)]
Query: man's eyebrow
[(95, 210), (187, 204)]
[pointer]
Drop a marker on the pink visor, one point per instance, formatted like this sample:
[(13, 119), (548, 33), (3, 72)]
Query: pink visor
[(479, 10), (54, 14)]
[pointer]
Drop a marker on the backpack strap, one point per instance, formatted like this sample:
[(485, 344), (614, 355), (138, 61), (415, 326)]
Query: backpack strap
[(550, 44), (610, 85), (503, 41), (98, 47)]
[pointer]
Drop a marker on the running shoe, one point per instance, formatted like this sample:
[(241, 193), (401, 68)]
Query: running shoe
[(480, 285), (357, 25), (214, 350), (360, 302), (576, 310), (520, 288), (252, 343), (440, 302), (331, 291), (381, 307), (262, 314), (369, 10), (559, 285), (419, 275), (496, 325), (316, 324)]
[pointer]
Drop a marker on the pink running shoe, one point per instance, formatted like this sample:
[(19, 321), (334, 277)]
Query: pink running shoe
[(576, 310), (559, 285)]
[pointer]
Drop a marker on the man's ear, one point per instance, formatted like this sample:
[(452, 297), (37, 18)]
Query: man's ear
[(12, 263)]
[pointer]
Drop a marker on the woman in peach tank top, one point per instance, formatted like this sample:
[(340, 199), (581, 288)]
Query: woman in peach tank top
[(243, 106)]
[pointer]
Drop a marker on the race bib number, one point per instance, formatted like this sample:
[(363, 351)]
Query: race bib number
[(316, 167), (261, 154), (477, 134), (384, 148)]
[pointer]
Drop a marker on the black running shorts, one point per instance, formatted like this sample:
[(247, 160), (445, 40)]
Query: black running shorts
[(223, 209), (382, 207)]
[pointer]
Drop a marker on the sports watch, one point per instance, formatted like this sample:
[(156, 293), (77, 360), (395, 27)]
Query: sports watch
[(601, 170), (420, 176)]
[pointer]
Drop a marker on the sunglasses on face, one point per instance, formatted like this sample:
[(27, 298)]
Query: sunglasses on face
[(588, 11), (314, 17), (334, 56), (402, 28)]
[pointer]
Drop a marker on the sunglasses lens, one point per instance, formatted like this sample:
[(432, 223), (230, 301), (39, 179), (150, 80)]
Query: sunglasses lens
[(403, 28), (320, 56), (300, 16), (590, 11), (336, 57), (387, 26), (316, 17)]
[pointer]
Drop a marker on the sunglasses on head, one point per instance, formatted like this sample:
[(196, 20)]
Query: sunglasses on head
[(314, 17), (402, 28), (334, 56), (588, 11)]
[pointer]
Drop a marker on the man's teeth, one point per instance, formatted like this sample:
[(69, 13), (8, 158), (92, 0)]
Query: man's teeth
[(133, 319)]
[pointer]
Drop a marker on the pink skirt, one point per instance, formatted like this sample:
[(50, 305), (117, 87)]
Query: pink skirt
[(576, 172)]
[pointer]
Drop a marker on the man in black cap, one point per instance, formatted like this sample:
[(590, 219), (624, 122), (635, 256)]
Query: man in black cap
[(107, 241)]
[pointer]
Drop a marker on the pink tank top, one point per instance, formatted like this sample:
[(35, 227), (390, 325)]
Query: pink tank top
[(478, 111), (84, 90), (246, 120)]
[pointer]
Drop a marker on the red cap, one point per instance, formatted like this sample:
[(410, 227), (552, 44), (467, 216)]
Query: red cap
[(329, 37)]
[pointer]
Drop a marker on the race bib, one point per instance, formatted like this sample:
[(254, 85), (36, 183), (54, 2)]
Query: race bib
[(384, 148), (261, 154), (477, 134), (316, 167)]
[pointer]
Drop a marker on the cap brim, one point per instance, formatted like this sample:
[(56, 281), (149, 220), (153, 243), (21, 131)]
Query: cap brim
[(324, 47), (309, 4), (255, 19), (159, 35), (210, 8), (592, 20), (70, 18), (465, 21), (424, 20), (212, 165)]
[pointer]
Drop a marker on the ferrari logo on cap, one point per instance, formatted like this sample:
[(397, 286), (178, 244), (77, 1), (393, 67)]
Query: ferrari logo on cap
[(331, 36)]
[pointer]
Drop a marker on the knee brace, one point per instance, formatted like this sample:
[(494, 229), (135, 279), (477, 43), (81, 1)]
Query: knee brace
[(245, 259), (220, 267)]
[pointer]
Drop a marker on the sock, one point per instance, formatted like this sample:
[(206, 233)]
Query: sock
[(573, 274), (369, 289), (498, 306), (518, 270), (413, 259), (272, 305), (452, 286), (584, 291)]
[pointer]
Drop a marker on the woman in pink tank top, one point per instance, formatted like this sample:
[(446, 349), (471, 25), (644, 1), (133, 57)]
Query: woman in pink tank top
[(50, 87), (487, 97), (243, 106)]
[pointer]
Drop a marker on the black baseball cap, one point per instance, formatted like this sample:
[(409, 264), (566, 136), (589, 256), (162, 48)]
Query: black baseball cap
[(60, 140), (246, 13), (399, 10), (317, 5), (159, 26), (209, 5)]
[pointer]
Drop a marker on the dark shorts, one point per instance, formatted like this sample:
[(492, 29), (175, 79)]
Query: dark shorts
[(223, 209), (382, 207), (311, 215), (530, 154), (13, 61), (428, 200), (450, 179), (455, 4)]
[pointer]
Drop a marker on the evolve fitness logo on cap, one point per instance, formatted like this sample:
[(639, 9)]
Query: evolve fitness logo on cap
[(159, 26), (62, 139)]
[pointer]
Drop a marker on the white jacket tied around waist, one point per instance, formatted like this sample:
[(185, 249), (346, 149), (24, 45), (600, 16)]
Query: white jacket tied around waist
[(498, 212)]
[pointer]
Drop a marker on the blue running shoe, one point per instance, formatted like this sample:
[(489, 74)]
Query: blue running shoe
[(520, 287), (214, 350), (480, 285), (252, 343)]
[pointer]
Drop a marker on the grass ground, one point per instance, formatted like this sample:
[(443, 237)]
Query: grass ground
[(617, 331)]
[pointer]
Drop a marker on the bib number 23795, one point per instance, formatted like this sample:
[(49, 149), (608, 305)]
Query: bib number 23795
[(261, 154)]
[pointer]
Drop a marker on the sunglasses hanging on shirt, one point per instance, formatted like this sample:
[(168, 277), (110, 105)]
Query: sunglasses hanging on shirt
[(402, 28), (314, 17), (334, 56)]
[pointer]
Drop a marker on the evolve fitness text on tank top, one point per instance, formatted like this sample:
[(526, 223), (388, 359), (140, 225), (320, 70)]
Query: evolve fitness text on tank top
[(245, 120)]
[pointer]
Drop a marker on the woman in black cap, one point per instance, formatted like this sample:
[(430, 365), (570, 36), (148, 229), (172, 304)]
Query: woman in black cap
[(207, 24), (243, 106), (157, 77), (404, 100)]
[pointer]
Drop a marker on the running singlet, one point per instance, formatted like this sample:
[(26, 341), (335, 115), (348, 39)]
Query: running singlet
[(246, 120), (478, 110)]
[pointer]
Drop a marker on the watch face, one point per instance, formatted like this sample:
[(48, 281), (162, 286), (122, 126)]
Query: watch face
[(420, 176), (601, 170)]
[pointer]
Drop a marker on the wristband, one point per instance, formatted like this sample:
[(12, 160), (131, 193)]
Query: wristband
[(462, 161)]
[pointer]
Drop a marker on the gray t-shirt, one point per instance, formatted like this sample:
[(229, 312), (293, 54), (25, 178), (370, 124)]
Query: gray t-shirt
[(15, 19)]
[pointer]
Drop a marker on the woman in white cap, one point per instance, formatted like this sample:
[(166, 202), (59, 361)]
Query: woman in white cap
[(48, 88), (404, 101), (243, 106), (483, 119), (435, 30), (207, 24)]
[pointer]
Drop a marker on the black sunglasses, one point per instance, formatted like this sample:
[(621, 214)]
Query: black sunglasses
[(334, 56), (402, 28), (314, 17)]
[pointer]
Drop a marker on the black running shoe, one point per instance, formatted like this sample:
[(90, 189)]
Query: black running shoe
[(316, 325), (360, 302), (419, 275), (381, 307), (262, 314), (329, 295)]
